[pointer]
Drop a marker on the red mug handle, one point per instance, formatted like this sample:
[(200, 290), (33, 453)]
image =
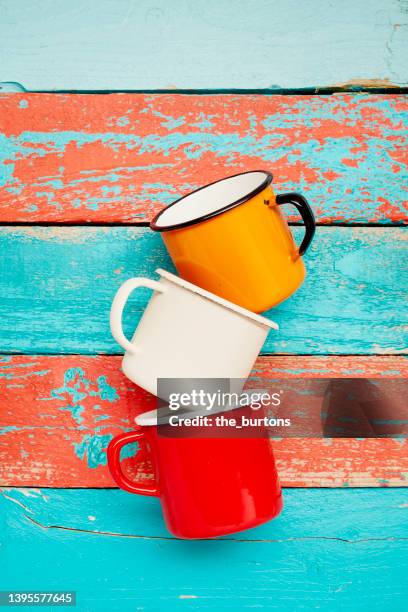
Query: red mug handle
[(113, 452)]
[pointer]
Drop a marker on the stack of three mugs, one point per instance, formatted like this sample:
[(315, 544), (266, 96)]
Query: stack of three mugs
[(236, 257)]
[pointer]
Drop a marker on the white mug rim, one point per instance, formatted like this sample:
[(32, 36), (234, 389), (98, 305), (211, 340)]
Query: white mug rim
[(248, 314)]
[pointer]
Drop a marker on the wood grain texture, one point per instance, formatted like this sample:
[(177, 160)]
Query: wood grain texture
[(329, 549), (57, 284), (121, 158), (58, 415), (203, 44)]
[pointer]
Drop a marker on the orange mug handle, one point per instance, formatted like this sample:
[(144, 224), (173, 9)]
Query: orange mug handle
[(113, 452), (303, 207)]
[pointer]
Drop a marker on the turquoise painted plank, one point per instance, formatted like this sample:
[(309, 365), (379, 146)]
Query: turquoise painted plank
[(126, 44), (324, 513), (57, 284), (329, 549)]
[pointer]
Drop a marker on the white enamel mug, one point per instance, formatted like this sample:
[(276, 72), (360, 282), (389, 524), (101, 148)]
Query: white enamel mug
[(187, 332)]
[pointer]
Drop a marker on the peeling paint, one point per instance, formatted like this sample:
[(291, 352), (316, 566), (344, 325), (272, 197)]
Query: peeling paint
[(78, 456), (161, 145)]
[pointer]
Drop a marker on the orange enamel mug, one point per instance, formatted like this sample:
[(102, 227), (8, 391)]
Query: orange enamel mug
[(231, 238)]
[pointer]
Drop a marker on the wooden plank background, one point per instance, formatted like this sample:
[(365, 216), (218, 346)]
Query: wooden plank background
[(76, 404), (66, 155), (121, 158), (324, 551), (117, 159), (204, 44), (57, 284)]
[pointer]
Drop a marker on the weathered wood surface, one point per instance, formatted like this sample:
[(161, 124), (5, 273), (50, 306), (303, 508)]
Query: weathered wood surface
[(58, 415), (329, 549), (57, 284), (157, 44), (120, 158)]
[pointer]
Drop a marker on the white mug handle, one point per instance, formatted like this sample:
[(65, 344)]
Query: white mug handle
[(118, 304)]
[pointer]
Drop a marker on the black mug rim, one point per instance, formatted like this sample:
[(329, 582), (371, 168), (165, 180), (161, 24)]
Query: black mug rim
[(164, 228)]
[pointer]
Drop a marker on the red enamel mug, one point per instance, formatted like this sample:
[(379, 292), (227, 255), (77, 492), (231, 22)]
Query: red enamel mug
[(208, 487)]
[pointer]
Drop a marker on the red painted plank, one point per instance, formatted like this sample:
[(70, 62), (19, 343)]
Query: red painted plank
[(58, 414), (120, 158)]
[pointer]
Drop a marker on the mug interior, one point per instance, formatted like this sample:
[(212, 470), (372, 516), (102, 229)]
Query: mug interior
[(212, 199)]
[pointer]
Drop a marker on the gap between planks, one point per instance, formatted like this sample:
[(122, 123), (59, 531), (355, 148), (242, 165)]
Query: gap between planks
[(375, 87)]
